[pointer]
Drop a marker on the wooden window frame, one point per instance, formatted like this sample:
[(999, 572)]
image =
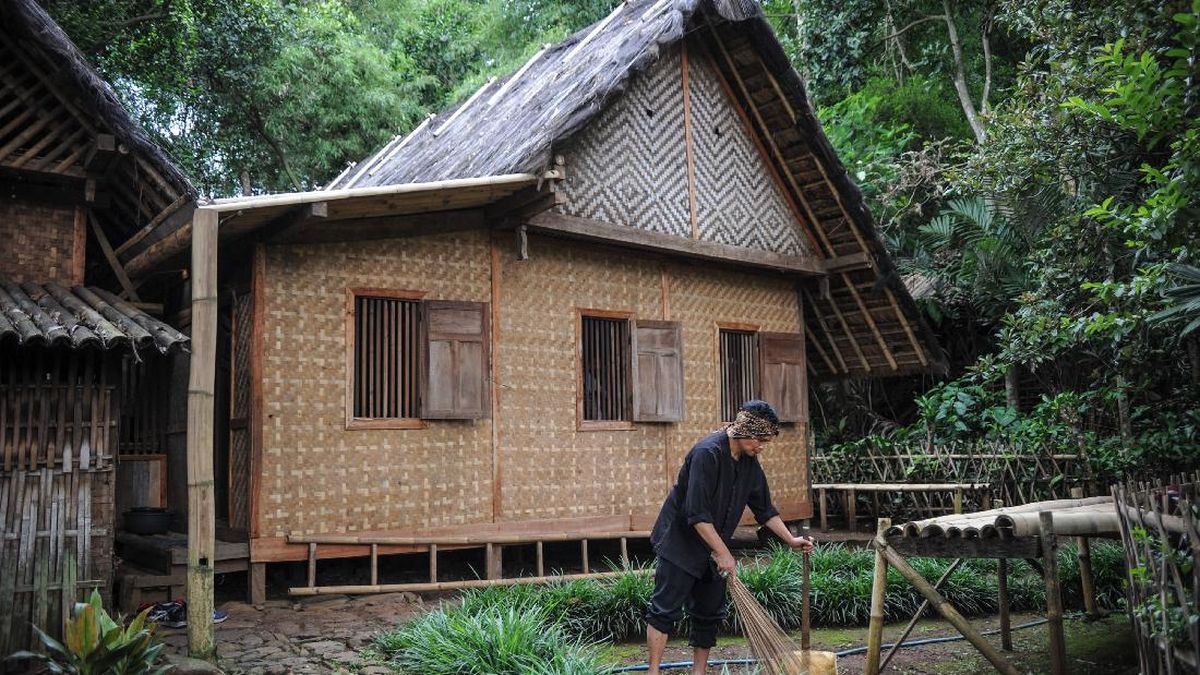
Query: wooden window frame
[(720, 370), (599, 425), (635, 383), (360, 423)]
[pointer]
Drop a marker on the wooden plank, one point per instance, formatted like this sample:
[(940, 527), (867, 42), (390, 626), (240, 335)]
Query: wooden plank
[(621, 235), (312, 564), (155, 222), (113, 263), (201, 388)]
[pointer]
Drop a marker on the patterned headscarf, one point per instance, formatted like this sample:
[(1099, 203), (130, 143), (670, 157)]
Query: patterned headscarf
[(755, 419)]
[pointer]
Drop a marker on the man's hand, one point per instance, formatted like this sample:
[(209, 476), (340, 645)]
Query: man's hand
[(726, 565), (805, 543)]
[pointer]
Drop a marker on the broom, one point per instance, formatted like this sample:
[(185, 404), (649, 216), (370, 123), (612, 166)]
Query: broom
[(772, 648)]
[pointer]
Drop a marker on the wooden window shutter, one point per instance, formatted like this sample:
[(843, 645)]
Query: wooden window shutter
[(454, 381), (784, 381), (657, 371)]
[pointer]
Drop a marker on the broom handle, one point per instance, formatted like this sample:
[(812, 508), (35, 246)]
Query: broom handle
[(804, 639)]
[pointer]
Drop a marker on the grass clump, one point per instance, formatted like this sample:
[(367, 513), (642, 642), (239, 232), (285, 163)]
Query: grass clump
[(492, 639)]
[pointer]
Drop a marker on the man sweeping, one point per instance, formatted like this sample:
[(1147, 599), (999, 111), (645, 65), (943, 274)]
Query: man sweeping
[(720, 477)]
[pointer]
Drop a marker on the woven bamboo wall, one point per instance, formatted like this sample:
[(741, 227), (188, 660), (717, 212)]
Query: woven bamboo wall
[(317, 476), (40, 243), (56, 504), (550, 470), (629, 165)]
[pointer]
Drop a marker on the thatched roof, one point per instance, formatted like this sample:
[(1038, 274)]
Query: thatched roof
[(142, 180), (50, 315), (861, 322)]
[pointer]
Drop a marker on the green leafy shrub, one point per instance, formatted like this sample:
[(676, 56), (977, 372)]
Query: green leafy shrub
[(95, 644)]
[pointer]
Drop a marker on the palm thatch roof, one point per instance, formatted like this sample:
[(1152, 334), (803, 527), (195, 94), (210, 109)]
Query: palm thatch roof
[(860, 322)]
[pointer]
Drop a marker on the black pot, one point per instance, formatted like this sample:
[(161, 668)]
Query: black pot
[(147, 520)]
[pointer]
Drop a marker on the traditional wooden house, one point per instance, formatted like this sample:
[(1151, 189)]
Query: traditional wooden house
[(82, 360), (520, 316)]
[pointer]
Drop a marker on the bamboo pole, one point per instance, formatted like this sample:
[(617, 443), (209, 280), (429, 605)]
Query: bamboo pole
[(452, 585), (878, 593), (1005, 621), (1083, 547), (912, 623), (947, 610), (201, 387), (1054, 609), (460, 540), (805, 602)]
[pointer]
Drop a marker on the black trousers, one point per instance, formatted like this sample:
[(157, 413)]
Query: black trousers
[(703, 597)]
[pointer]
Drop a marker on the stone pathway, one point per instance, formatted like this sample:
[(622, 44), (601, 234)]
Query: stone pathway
[(319, 635)]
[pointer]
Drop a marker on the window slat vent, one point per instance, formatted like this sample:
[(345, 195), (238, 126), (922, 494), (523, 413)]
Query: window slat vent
[(606, 369), (739, 370), (386, 353)]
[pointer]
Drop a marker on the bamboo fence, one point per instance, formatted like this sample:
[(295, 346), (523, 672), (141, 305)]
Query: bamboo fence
[(1016, 475), (56, 479), (1160, 530)]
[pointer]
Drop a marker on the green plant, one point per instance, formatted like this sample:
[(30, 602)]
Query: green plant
[(494, 639), (95, 644)]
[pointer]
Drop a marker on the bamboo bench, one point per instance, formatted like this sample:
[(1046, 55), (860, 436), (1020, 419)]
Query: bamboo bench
[(851, 490)]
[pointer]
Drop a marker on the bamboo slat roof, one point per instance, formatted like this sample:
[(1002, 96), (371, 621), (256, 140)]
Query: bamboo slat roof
[(860, 322), (81, 317)]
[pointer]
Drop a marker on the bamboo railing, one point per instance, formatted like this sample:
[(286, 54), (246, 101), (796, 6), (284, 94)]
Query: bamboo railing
[(1016, 475), (1160, 530)]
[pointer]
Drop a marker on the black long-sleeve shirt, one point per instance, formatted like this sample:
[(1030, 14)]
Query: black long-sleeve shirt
[(711, 488)]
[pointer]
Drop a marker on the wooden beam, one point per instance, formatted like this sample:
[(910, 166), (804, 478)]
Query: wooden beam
[(1054, 607), (101, 155), (622, 235), (866, 313), (837, 352), (115, 264), (304, 228), (878, 596), (155, 222), (201, 389)]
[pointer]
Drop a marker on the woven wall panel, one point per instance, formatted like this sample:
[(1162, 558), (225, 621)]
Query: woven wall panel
[(239, 438), (320, 477), (38, 243), (737, 201), (549, 469), (629, 165)]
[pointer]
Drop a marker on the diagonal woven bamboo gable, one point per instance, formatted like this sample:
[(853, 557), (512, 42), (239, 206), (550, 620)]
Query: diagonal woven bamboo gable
[(860, 319)]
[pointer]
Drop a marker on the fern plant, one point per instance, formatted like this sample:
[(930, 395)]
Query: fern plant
[(95, 644), (1184, 298)]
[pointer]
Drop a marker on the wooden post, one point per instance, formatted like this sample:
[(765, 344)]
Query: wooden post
[(202, 543), (878, 593), (433, 563), (958, 500), (541, 560), (625, 551), (374, 564), (583, 552), (912, 623), (258, 583), (1054, 609), (1083, 547), (824, 512), (947, 611), (495, 561), (312, 565), (805, 619), (1005, 622), (851, 510)]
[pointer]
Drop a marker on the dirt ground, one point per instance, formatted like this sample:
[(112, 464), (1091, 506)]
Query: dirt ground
[(327, 634)]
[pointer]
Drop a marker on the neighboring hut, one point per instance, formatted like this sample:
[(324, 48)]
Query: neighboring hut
[(80, 436), (520, 316)]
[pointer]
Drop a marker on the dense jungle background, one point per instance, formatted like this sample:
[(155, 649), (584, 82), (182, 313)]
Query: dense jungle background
[(1034, 166)]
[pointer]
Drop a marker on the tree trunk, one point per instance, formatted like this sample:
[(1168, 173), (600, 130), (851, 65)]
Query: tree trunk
[(960, 77), (1012, 387)]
